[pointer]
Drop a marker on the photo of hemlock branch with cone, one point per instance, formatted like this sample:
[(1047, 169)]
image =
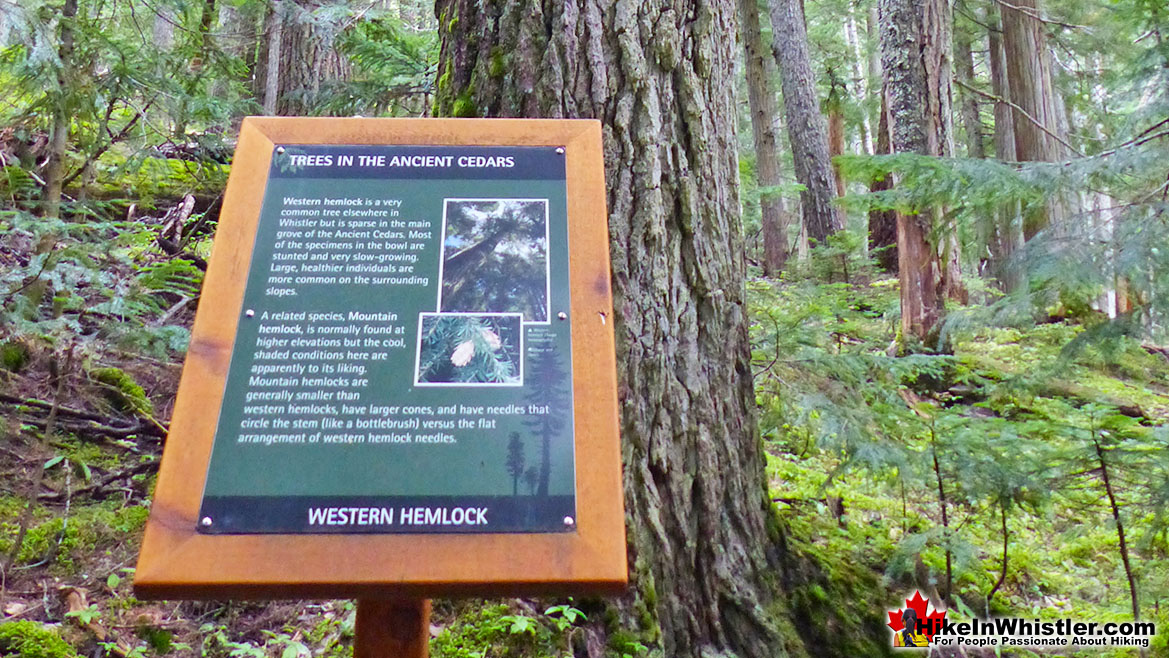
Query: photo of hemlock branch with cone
[(495, 257), (469, 349)]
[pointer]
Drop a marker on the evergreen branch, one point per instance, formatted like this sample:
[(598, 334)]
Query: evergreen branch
[(25, 286), (1020, 110), (1142, 138), (114, 139)]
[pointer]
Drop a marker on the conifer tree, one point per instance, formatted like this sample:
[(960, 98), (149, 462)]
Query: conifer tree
[(659, 77)]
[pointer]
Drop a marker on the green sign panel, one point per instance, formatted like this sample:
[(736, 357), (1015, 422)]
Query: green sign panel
[(403, 362)]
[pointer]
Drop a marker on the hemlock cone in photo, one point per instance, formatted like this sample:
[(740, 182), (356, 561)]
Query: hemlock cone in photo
[(495, 257), (469, 349)]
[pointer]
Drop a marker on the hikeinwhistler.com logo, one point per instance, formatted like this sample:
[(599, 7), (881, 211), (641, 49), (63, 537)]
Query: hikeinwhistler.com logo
[(920, 624)]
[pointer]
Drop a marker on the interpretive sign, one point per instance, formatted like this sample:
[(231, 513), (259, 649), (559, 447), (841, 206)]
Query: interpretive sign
[(403, 363), (403, 349)]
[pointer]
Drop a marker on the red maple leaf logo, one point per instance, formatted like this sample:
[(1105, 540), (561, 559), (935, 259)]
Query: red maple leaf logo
[(931, 623)]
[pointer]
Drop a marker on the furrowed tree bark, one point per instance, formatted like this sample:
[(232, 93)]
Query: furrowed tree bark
[(806, 128), (703, 546), (914, 127), (1028, 61), (760, 65), (269, 65), (1008, 225), (307, 59)]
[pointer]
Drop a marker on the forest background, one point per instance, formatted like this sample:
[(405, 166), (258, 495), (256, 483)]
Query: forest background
[(942, 223)]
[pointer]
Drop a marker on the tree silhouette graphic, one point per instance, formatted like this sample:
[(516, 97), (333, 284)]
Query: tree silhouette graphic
[(515, 462), (548, 389)]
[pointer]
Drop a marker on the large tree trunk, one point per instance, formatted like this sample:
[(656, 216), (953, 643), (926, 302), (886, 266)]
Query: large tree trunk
[(306, 59), (913, 64), (659, 76), (1008, 225), (1038, 132), (764, 113), (806, 128)]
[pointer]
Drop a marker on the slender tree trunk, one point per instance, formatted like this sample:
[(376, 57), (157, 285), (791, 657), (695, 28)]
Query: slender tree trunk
[(1006, 545), (270, 65), (199, 63), (971, 117), (764, 114), (659, 76), (806, 128), (862, 84), (914, 127), (883, 223), (236, 37), (943, 502), (1106, 476), (163, 30), (1008, 222), (872, 31), (59, 142), (835, 107), (1028, 61)]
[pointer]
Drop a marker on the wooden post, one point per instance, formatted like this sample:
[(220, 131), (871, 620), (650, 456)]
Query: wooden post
[(392, 629)]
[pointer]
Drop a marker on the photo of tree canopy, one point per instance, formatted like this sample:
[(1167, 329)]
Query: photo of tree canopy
[(469, 349), (891, 305), (495, 257)]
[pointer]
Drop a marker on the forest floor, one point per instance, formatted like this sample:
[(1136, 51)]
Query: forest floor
[(865, 449)]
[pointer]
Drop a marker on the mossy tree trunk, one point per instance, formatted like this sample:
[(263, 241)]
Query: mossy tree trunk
[(659, 77)]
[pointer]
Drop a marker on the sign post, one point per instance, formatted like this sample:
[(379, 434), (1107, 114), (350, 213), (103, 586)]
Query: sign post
[(392, 629), (401, 380)]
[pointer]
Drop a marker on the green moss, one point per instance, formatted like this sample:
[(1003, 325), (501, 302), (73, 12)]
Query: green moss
[(157, 178), (14, 356), (29, 639), (90, 454), (464, 106), (130, 520), (122, 391), (496, 66), (489, 630)]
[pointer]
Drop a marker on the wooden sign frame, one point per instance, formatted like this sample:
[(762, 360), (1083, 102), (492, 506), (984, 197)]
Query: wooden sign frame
[(178, 562)]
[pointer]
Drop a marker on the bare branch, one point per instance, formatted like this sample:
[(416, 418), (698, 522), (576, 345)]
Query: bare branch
[(1015, 107)]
